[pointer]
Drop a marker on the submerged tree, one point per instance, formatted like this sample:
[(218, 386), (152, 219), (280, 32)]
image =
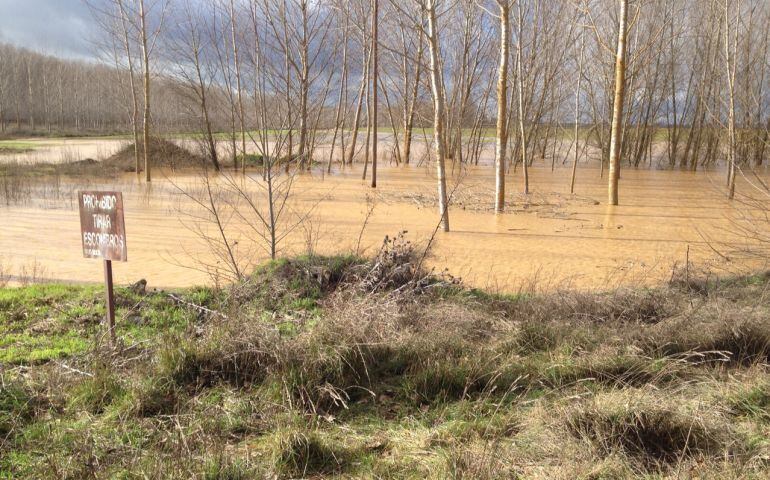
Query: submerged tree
[(502, 105), (439, 110), (617, 109)]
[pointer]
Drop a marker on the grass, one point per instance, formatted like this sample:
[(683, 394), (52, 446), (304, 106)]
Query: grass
[(753, 402), (651, 437), (341, 367), (9, 146)]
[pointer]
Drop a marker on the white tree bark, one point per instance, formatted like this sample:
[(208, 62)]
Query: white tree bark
[(502, 106), (617, 109), (439, 115)]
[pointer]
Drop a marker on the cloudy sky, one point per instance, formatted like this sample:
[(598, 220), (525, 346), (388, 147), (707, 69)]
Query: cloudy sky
[(57, 27)]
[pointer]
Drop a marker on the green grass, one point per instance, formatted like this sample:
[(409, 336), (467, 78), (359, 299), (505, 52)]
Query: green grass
[(753, 402), (11, 146), (48, 322), (26, 349), (308, 372)]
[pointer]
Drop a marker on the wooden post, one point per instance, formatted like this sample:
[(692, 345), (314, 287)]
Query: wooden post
[(103, 233), (110, 301)]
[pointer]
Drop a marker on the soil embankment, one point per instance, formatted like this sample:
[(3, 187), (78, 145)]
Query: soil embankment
[(328, 367)]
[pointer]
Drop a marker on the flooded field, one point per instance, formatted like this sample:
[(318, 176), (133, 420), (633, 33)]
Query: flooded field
[(550, 237), (58, 150)]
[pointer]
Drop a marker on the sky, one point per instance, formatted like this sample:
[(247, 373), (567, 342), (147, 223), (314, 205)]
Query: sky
[(56, 27)]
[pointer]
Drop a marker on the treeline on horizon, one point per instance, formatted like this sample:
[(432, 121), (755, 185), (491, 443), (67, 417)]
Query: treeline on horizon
[(244, 65)]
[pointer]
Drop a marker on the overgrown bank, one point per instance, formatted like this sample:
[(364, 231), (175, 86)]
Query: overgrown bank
[(341, 367)]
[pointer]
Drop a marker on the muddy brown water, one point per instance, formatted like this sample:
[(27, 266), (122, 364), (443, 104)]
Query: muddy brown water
[(63, 150), (550, 238)]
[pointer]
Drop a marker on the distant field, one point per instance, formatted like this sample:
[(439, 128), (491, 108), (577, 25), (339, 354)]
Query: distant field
[(563, 131), (13, 146)]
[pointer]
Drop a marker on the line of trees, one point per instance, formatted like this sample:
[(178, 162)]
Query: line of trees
[(542, 76), (41, 94)]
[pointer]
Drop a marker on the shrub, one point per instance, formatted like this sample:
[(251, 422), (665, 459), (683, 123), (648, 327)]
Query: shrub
[(95, 393), (156, 396), (226, 469), (17, 408), (304, 455), (534, 337), (754, 403), (652, 437), (733, 339)]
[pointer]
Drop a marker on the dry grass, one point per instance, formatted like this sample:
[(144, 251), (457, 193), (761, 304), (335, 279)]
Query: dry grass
[(318, 367), (653, 438), (162, 153)]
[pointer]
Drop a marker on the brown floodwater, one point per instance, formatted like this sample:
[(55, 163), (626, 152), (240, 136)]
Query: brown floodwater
[(63, 150), (549, 239)]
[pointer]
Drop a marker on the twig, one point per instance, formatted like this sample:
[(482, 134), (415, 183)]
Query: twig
[(74, 370), (371, 204), (200, 308)]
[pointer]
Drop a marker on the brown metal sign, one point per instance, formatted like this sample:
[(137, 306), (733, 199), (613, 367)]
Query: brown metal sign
[(102, 229)]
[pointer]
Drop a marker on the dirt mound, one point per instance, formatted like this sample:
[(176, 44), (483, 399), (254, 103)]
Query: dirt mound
[(163, 153)]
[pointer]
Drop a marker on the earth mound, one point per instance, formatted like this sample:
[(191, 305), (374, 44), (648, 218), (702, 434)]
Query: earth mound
[(163, 153)]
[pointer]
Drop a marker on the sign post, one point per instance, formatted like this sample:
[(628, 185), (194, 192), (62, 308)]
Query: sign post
[(103, 234)]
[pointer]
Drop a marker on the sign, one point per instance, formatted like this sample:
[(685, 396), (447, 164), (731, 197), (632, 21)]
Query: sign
[(103, 233), (102, 229)]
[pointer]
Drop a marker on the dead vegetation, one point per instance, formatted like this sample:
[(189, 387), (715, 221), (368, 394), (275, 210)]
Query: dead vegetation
[(163, 153), (323, 367), (478, 198), (653, 438), (53, 183)]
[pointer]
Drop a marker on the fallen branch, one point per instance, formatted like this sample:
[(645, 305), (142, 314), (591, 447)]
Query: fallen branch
[(74, 370), (200, 308)]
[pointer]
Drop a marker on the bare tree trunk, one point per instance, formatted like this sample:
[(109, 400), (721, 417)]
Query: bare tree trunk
[(131, 83), (341, 96), (502, 106), (367, 151), (2, 112), (31, 97), (410, 94), (375, 88), (520, 74), (146, 73), (617, 110), (210, 141), (361, 93), (241, 115), (46, 96), (730, 61), (287, 78), (577, 114), (304, 88), (411, 108), (396, 145), (437, 86)]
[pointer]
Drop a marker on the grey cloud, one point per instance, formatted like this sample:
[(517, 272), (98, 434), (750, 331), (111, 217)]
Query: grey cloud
[(57, 27)]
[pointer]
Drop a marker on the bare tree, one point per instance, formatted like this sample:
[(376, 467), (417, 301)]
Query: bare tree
[(502, 105), (617, 111), (375, 86), (190, 44), (731, 47), (125, 35), (577, 109), (236, 60), (339, 121), (437, 87), (147, 36), (520, 76), (146, 80)]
